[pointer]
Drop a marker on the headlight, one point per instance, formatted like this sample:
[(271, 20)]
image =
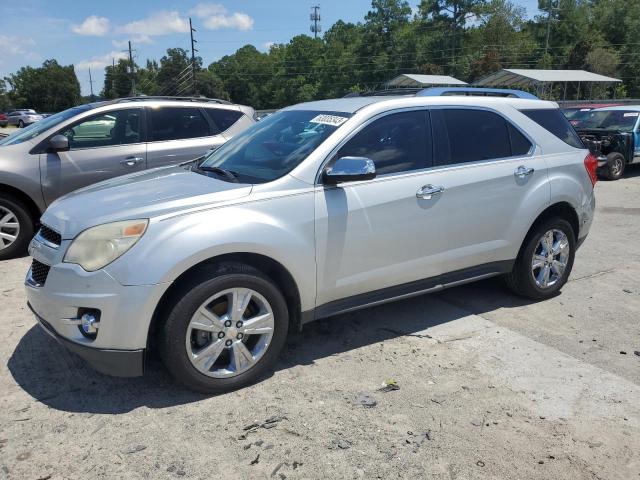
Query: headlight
[(99, 246)]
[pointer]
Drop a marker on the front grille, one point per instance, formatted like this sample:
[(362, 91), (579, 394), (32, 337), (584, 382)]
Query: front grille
[(50, 235), (39, 272)]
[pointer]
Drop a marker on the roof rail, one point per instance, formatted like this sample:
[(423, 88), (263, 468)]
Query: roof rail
[(182, 99), (475, 91)]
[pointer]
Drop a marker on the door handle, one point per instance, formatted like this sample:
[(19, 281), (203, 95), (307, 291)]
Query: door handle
[(131, 161), (429, 191), (522, 171)]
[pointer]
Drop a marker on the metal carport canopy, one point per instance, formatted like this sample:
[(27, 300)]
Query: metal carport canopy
[(418, 81), (524, 77)]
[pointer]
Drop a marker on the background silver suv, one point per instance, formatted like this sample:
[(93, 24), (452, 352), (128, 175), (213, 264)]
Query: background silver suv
[(94, 142), (318, 209)]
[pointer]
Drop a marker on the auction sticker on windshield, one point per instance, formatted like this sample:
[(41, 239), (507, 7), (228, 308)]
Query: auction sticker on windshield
[(324, 119), (631, 114)]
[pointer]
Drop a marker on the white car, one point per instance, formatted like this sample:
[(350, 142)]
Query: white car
[(23, 118), (321, 208)]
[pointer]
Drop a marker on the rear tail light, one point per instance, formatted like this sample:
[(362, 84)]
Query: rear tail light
[(591, 164)]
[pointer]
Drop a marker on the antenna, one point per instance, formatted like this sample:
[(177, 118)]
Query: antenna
[(315, 18)]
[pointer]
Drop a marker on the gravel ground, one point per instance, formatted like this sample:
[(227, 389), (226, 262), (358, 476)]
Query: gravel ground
[(479, 384)]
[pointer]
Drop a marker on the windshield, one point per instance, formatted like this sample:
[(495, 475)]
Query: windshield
[(611, 120), (274, 146), (43, 125)]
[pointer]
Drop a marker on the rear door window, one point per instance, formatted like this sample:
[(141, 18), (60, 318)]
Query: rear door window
[(556, 123), (177, 123), (469, 135), (222, 118)]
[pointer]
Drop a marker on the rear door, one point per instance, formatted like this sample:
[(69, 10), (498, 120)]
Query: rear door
[(101, 146), (491, 175), (178, 134)]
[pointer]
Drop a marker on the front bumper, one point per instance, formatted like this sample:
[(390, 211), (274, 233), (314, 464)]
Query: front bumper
[(117, 363), (125, 311)]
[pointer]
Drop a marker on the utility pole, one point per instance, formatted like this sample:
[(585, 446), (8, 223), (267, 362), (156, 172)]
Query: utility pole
[(113, 76), (549, 9), (193, 58), (315, 18), (91, 84), (133, 73)]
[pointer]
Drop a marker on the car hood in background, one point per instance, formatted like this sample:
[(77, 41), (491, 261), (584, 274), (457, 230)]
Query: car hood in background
[(140, 195)]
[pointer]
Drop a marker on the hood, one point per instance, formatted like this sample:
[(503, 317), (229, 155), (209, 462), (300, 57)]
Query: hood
[(140, 195)]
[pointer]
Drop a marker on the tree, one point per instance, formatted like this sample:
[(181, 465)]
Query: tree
[(175, 74), (117, 80), (50, 88)]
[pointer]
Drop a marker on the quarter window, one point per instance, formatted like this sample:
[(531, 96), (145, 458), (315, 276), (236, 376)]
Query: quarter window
[(177, 123), (223, 119), (556, 123), (399, 142), (119, 127)]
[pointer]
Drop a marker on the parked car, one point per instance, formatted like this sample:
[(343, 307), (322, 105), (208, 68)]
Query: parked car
[(4, 120), (94, 142), (23, 118), (212, 263), (613, 136), (578, 113)]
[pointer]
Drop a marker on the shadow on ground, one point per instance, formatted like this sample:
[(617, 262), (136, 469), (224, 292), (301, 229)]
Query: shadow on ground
[(60, 380)]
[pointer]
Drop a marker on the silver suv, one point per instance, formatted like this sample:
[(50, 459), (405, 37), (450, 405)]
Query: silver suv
[(97, 141), (321, 208)]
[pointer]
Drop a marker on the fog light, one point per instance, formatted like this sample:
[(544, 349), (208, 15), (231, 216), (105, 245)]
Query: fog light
[(89, 323)]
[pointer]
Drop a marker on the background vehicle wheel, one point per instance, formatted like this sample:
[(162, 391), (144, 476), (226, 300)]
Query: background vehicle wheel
[(615, 166), (545, 260), (20, 124), (225, 329), (16, 227)]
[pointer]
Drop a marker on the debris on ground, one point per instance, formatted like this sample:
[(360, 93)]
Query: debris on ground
[(135, 449), (339, 444), (439, 399), (389, 386), (480, 463), (255, 460), (417, 439), (637, 352), (365, 400)]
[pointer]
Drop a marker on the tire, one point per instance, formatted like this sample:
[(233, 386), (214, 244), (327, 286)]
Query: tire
[(20, 124), (12, 209), (180, 344), (522, 279), (615, 166)]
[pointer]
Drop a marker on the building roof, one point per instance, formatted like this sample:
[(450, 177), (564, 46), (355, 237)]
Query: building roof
[(526, 77), (417, 81)]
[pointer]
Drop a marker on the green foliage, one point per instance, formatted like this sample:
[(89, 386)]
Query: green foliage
[(49, 88)]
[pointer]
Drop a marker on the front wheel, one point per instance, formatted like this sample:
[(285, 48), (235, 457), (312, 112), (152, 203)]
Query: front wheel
[(615, 166), (225, 329), (545, 260), (16, 227)]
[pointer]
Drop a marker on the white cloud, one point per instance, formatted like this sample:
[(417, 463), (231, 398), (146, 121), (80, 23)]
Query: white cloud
[(93, 25), (12, 45), (120, 43), (161, 23), (215, 16), (268, 45), (99, 62)]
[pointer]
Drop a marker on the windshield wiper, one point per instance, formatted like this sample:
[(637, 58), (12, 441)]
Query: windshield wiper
[(228, 174)]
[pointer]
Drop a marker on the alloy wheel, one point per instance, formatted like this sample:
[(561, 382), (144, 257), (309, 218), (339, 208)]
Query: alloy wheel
[(9, 227), (616, 167), (550, 258), (230, 332)]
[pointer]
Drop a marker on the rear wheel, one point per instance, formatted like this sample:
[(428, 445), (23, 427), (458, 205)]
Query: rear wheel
[(545, 260), (225, 329), (615, 166), (16, 227)]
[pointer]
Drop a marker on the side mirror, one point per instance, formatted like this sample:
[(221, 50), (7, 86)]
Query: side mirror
[(349, 169), (58, 143)]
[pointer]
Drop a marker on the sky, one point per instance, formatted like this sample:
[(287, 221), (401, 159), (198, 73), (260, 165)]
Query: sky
[(90, 33)]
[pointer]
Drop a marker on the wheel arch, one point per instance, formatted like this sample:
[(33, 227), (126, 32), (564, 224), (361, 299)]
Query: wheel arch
[(560, 209), (18, 194), (269, 267)]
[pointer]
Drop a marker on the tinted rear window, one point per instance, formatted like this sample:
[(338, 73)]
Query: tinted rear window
[(177, 123), (555, 122), (222, 118)]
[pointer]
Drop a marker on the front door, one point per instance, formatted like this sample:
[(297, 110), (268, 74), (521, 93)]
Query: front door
[(375, 234), (102, 146)]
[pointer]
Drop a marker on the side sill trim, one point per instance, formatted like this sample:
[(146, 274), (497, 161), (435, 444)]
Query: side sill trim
[(407, 290)]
